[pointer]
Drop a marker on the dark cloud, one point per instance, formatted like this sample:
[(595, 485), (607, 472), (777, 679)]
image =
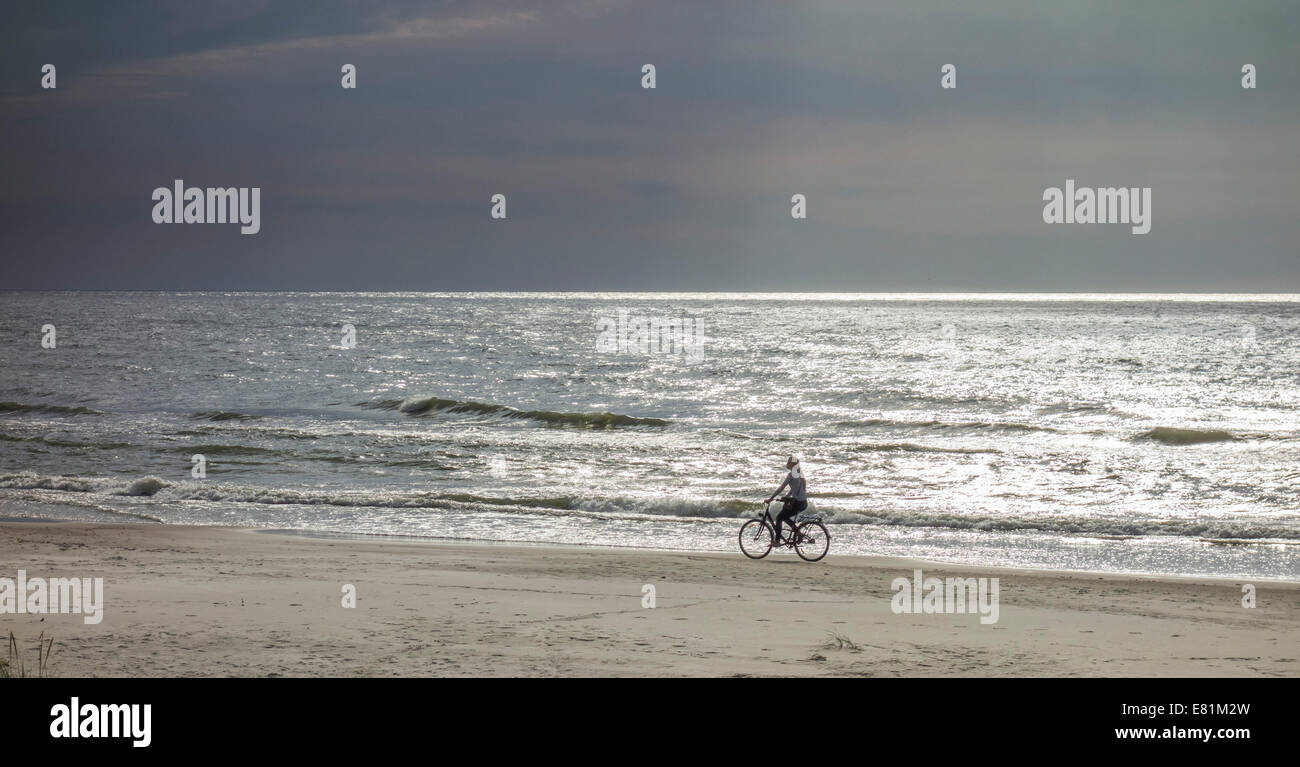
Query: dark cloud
[(684, 187)]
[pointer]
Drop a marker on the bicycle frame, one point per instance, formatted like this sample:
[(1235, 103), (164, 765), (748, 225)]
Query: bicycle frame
[(794, 522), (766, 516)]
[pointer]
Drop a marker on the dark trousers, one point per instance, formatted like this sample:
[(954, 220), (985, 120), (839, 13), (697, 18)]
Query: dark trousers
[(788, 510)]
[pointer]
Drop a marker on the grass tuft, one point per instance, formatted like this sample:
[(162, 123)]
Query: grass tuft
[(13, 667), (840, 642)]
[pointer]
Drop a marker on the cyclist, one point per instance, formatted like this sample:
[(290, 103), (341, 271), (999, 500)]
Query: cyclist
[(795, 502)]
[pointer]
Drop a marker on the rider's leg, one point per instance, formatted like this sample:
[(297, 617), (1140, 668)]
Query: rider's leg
[(791, 510), (787, 514)]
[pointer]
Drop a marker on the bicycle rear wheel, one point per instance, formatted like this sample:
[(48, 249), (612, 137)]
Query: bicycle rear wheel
[(755, 539), (812, 541)]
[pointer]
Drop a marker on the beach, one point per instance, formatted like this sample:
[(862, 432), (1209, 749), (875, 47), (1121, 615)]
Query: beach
[(203, 601)]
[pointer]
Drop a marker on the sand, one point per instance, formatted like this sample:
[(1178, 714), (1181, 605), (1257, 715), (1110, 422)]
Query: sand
[(203, 601)]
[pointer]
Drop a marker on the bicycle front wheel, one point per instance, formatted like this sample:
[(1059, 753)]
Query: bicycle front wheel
[(755, 539), (813, 541)]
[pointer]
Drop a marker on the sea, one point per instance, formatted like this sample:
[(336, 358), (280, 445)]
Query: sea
[(1153, 434)]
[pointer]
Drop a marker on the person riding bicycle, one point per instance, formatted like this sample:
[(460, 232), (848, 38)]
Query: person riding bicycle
[(795, 502)]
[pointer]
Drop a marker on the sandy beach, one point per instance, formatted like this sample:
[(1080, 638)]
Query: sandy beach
[(206, 601)]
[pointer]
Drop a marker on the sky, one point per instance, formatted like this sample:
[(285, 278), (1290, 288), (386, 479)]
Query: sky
[(687, 186)]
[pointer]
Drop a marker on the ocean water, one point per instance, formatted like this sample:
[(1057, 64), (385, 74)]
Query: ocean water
[(1150, 434)]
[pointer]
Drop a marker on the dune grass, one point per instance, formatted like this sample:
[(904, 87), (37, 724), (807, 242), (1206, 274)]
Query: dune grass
[(13, 666), (840, 642)]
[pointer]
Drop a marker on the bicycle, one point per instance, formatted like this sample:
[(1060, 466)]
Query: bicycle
[(809, 538)]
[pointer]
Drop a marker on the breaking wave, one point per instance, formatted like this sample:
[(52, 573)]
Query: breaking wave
[(222, 415), (1171, 436), (420, 406), (145, 486), (1216, 528)]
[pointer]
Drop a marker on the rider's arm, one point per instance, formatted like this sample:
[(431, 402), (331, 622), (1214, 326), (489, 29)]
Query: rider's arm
[(779, 489)]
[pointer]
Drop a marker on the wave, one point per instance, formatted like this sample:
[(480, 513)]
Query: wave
[(204, 491), (990, 425), (660, 506), (145, 486), (276, 432), (909, 447), (559, 503), (222, 415), (30, 481), (1206, 528), (213, 491), (419, 406), (683, 508), (39, 504), (18, 407), (1172, 436), (1074, 407), (235, 450), (54, 442)]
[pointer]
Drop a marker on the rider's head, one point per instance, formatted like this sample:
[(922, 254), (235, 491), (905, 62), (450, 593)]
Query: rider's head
[(792, 462)]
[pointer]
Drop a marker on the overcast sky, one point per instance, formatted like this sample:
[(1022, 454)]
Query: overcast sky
[(685, 187)]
